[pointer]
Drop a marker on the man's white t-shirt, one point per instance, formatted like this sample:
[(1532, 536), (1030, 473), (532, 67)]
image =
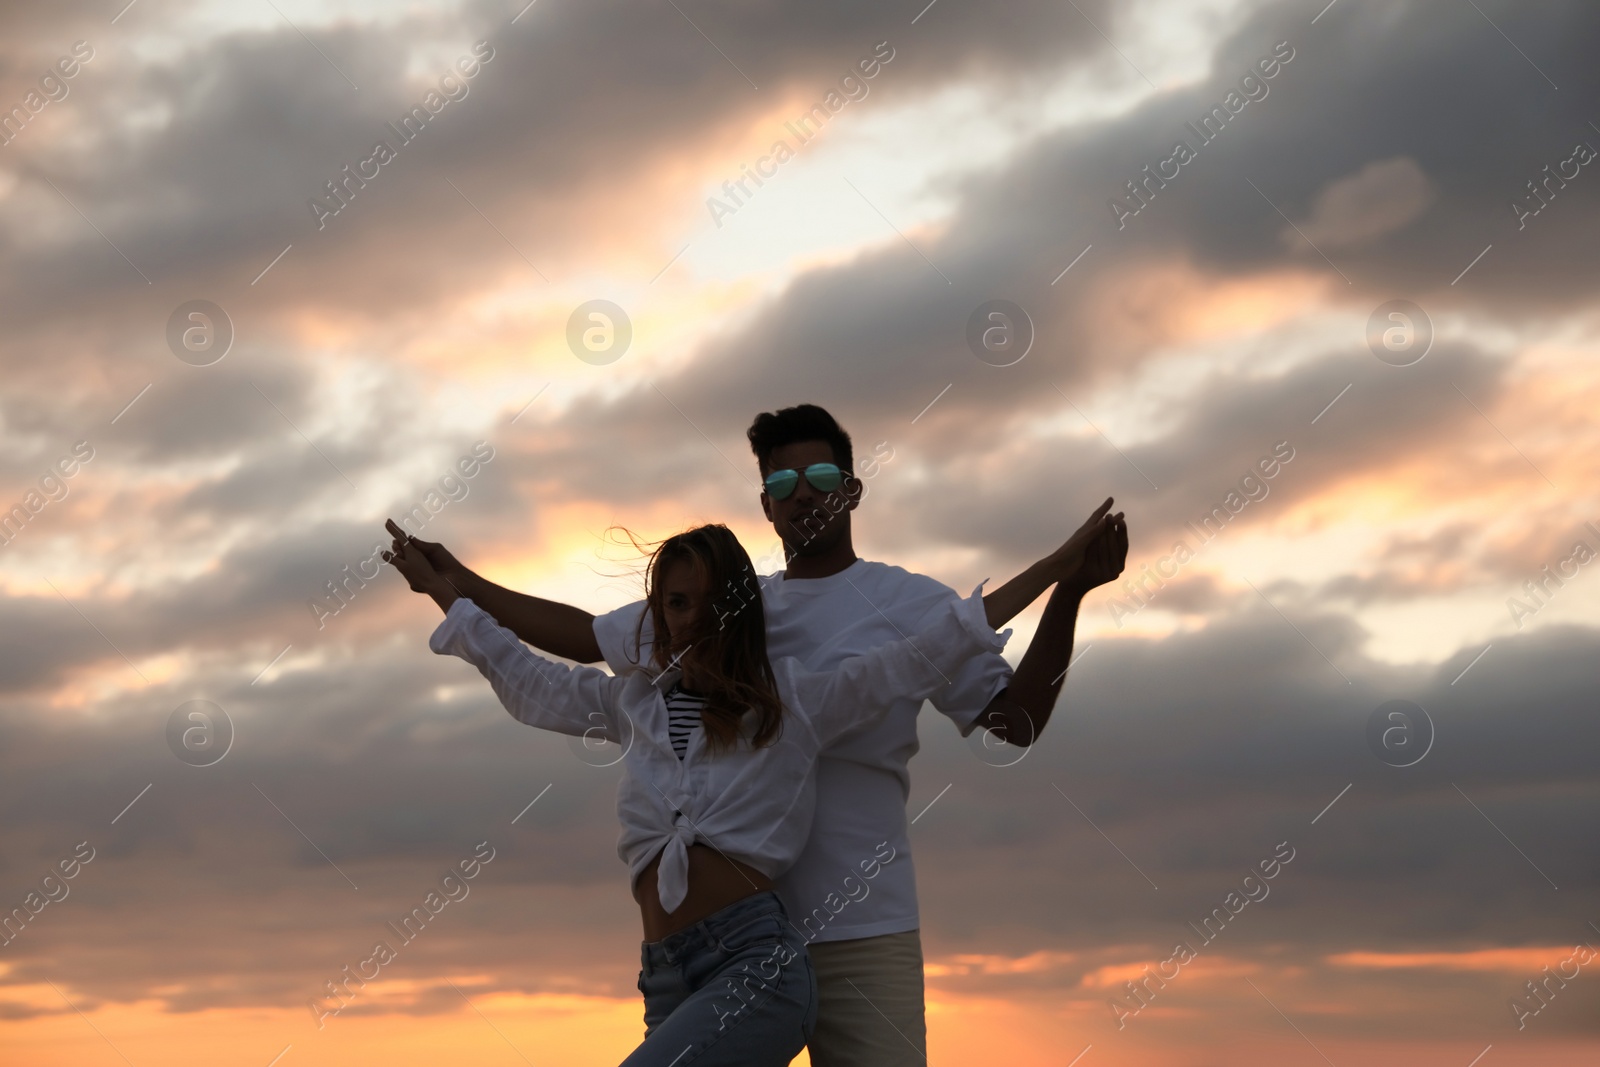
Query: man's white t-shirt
[(854, 878)]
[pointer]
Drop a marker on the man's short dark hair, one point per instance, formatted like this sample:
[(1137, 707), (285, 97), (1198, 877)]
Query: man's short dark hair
[(804, 422)]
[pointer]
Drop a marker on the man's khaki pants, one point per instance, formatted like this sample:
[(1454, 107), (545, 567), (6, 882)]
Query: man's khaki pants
[(869, 1002)]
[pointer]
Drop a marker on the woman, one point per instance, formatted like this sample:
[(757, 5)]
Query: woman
[(719, 778)]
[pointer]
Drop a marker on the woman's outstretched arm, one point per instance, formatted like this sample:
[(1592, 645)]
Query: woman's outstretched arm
[(581, 701)]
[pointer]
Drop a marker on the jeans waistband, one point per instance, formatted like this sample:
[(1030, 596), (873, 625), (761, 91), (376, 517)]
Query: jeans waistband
[(706, 932)]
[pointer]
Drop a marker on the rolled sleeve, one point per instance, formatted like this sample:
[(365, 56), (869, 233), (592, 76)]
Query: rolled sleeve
[(618, 635), (539, 692), (974, 619), (915, 667), (975, 682)]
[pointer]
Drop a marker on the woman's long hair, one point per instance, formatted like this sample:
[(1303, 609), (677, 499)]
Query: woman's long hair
[(729, 650)]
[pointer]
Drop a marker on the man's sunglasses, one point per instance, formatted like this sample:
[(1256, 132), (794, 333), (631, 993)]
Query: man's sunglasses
[(824, 477)]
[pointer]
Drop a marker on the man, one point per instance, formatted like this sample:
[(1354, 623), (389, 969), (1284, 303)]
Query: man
[(852, 893)]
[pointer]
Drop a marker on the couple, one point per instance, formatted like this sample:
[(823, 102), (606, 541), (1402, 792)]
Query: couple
[(768, 724)]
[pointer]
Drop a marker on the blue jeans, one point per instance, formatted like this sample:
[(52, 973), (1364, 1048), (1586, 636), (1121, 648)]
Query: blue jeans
[(734, 989)]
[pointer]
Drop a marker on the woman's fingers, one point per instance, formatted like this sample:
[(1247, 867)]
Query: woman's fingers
[(402, 540), (1119, 546), (1096, 517), (413, 567)]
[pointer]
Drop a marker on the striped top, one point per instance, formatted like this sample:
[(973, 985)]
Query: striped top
[(683, 717)]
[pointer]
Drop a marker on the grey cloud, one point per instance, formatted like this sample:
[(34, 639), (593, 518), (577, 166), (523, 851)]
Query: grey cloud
[(1196, 754), (1380, 198), (260, 123)]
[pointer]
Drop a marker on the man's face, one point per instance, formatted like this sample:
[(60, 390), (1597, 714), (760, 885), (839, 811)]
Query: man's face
[(809, 521)]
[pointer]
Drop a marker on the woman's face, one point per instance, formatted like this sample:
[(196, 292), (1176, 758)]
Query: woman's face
[(685, 603)]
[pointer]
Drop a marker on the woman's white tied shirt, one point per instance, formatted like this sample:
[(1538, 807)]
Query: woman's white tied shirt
[(752, 804)]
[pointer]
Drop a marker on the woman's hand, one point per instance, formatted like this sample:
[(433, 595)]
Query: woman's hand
[(440, 557), (419, 574)]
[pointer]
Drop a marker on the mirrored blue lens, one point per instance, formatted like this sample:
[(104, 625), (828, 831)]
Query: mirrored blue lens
[(824, 476), (781, 483)]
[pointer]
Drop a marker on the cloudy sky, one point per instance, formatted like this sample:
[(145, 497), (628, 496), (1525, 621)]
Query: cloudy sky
[(1370, 270)]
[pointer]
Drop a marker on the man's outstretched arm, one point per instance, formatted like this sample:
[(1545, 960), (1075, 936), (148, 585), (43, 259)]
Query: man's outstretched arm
[(559, 629), (1018, 713)]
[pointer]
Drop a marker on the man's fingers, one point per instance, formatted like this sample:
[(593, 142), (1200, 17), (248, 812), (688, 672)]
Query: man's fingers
[(1096, 515), (401, 538)]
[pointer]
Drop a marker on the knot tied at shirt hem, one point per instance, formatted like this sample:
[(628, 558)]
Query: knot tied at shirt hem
[(672, 879)]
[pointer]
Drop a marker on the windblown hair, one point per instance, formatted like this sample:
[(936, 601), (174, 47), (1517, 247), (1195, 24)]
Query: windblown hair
[(805, 422), (729, 651)]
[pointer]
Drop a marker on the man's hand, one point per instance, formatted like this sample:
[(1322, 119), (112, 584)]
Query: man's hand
[(559, 629), (1093, 556), (1064, 563), (1064, 566), (1103, 558)]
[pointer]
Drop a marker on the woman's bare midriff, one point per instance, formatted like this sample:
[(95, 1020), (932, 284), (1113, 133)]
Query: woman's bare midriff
[(715, 881)]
